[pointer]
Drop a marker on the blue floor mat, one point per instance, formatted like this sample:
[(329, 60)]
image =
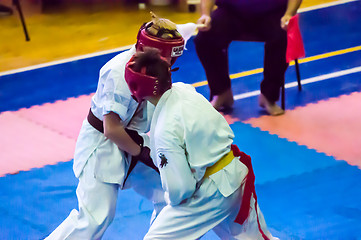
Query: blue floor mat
[(273, 157), (34, 203), (323, 204), (302, 193)]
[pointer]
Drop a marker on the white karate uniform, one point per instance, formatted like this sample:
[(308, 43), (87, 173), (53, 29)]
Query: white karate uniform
[(100, 165), (188, 135)]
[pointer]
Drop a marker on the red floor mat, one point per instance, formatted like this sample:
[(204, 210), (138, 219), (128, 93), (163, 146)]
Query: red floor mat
[(332, 127), (40, 135)]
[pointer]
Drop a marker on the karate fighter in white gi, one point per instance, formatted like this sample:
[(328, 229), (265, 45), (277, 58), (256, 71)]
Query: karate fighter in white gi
[(208, 181), (108, 145)]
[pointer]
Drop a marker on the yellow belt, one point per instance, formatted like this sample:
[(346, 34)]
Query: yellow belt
[(224, 161)]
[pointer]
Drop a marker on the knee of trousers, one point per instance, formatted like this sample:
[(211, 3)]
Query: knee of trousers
[(99, 224), (95, 221), (95, 228), (99, 221), (79, 225)]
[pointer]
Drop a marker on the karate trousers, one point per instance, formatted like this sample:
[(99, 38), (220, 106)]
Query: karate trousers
[(97, 202), (208, 210)]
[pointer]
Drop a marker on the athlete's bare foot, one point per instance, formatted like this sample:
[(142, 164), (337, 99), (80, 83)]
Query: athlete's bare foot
[(223, 101), (271, 107)]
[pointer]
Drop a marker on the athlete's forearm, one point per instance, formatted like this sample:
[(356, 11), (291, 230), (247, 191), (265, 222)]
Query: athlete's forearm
[(116, 133)]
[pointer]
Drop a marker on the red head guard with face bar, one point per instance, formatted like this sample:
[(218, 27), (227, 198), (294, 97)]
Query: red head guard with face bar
[(142, 85)]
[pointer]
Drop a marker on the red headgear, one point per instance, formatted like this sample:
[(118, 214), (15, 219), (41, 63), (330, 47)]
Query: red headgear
[(142, 85), (169, 48)]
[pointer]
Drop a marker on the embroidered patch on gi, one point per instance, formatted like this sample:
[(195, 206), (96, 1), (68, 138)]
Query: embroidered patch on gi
[(164, 160)]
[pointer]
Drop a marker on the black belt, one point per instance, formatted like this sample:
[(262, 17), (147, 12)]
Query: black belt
[(98, 125), (95, 122)]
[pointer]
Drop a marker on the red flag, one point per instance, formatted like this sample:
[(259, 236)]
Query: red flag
[(295, 48)]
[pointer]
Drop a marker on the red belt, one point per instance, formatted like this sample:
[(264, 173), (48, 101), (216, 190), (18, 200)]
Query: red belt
[(249, 189)]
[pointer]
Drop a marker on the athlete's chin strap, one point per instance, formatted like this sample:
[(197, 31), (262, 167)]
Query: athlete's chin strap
[(174, 69)]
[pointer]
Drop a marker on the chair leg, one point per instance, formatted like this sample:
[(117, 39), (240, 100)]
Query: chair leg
[(17, 5), (283, 104), (298, 75)]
